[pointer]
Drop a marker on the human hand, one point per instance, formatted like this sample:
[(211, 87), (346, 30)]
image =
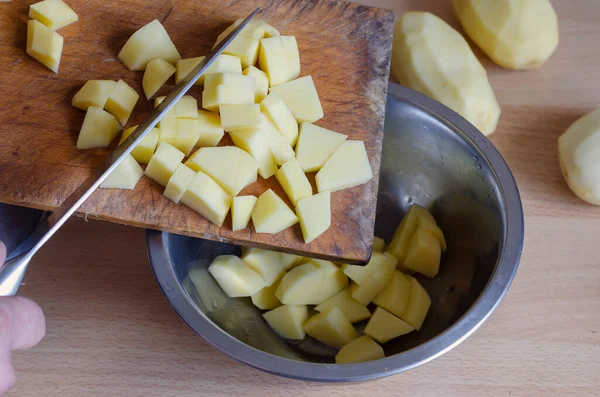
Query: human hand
[(22, 326)]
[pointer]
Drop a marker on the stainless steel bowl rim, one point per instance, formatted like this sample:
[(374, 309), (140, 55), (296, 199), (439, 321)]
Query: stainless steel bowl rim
[(476, 315)]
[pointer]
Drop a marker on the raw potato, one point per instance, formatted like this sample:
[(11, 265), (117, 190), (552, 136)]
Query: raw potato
[(428, 55), (266, 263), (424, 253), (241, 211), (256, 28), (265, 299), (371, 279), (274, 106), (246, 48), (179, 182), (290, 261), (316, 145), (271, 214), (579, 156), (256, 143), (222, 94), (149, 42), (516, 34), (211, 130), (229, 166), (331, 328), (158, 71), (314, 215), (279, 59), (164, 163), (223, 63), (352, 309), (213, 80), (168, 131), (207, 198), (309, 284), (125, 176), (235, 277), (99, 128), (360, 350), (301, 97), (238, 117), (261, 82), (418, 304), (93, 93), (347, 167), (188, 133), (287, 321), (121, 101), (395, 295), (293, 180), (55, 14), (144, 150), (44, 45), (384, 326), (378, 244), (282, 152), (185, 108)]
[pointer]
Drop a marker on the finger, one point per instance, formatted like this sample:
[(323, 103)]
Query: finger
[(22, 322), (2, 253), (7, 372)]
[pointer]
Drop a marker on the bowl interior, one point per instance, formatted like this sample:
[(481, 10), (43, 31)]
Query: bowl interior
[(425, 160)]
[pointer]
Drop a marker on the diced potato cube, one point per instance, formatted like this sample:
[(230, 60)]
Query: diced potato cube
[(579, 157), (188, 133), (301, 97), (426, 55), (223, 63), (295, 184), (515, 34), (287, 321), (144, 150), (168, 131), (256, 28), (331, 328), (394, 297), (424, 253), (235, 277), (156, 75), (279, 59), (125, 176), (418, 304), (211, 130), (179, 182), (266, 263), (378, 244), (44, 45), (347, 167), (314, 215), (416, 217), (214, 97), (207, 198), (261, 82), (99, 128), (229, 166), (237, 117), (93, 93), (290, 260), (121, 101), (384, 326), (271, 214), (323, 264), (360, 350), (256, 143), (164, 163), (380, 274), (316, 145), (185, 108), (281, 116), (55, 14), (228, 78), (149, 42), (309, 284), (270, 31), (265, 299), (353, 310), (241, 211), (281, 150), (246, 48)]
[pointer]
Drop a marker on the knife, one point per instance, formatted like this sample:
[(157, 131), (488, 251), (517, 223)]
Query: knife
[(12, 272)]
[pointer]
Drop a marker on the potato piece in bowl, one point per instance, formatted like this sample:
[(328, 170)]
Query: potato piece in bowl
[(384, 326), (360, 350), (287, 321), (331, 328), (235, 276)]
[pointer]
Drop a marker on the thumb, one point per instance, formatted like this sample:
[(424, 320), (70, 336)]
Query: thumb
[(22, 323)]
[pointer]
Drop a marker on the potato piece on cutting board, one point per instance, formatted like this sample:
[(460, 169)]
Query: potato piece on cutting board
[(223, 63), (235, 276), (261, 82), (271, 214), (207, 198), (241, 211), (158, 71), (144, 150), (347, 167), (314, 215), (99, 128), (121, 101), (223, 94), (301, 97), (316, 145), (55, 14), (164, 163), (279, 59), (93, 93), (149, 42), (211, 130), (287, 321), (44, 45), (125, 176), (179, 182), (255, 142), (238, 117), (331, 328), (278, 112), (515, 34), (361, 349), (293, 180)]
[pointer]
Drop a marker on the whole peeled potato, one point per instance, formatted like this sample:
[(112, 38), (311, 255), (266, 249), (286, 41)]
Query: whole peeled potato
[(516, 34), (428, 55), (579, 156)]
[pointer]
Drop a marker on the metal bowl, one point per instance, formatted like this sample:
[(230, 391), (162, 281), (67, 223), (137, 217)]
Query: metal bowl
[(431, 156)]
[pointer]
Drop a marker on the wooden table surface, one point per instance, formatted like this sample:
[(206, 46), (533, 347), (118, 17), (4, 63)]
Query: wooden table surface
[(110, 332)]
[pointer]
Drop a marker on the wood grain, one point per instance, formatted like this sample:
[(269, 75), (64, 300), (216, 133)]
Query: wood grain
[(344, 46)]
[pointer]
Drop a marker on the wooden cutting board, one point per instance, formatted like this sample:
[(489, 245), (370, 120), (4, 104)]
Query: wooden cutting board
[(344, 46)]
